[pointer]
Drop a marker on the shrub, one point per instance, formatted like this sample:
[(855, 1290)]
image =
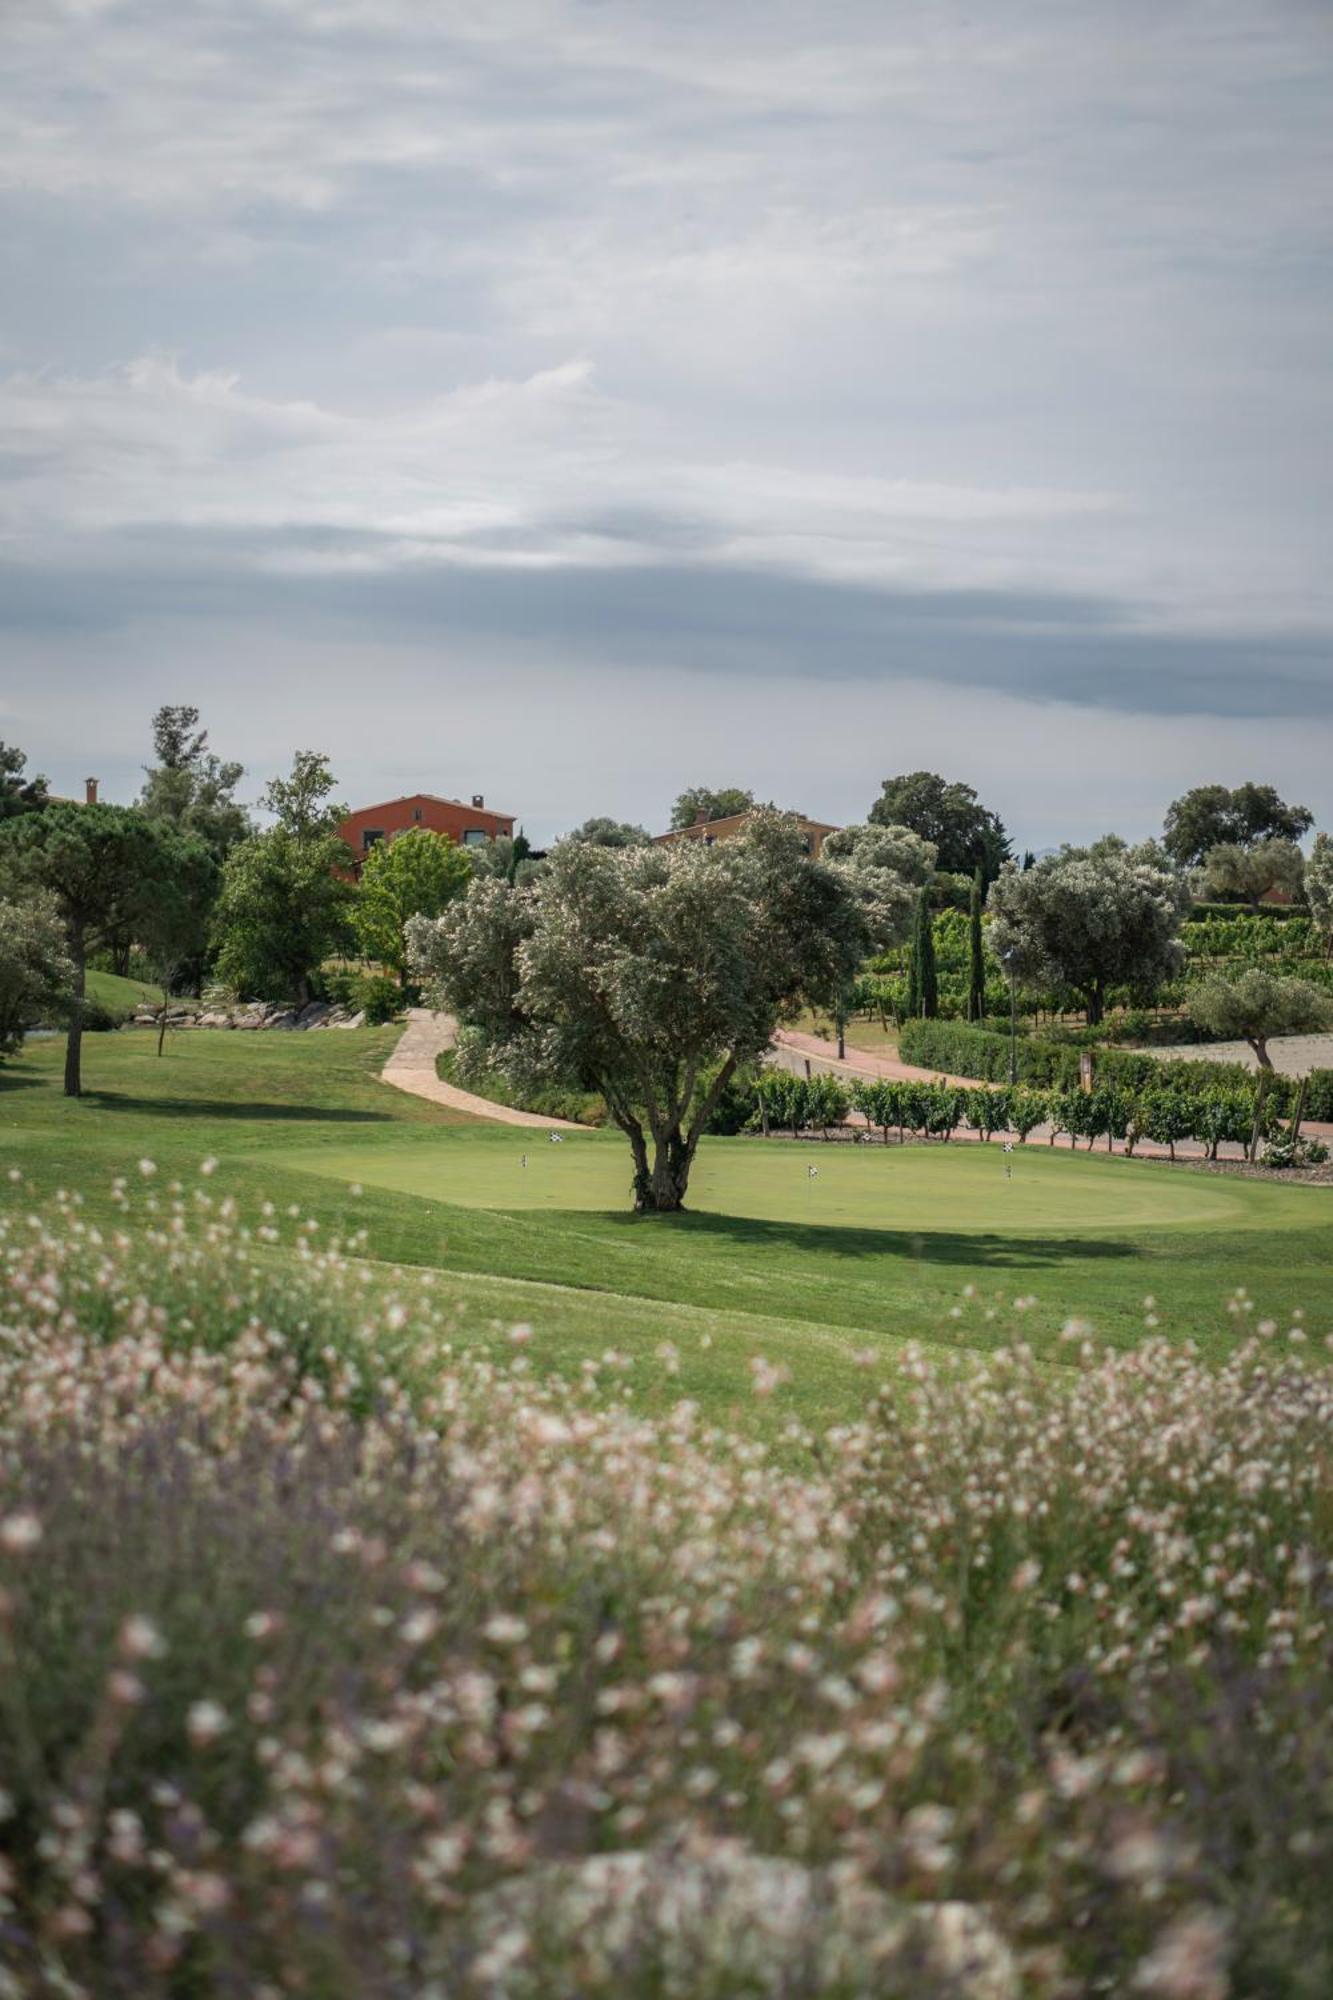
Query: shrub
[(331, 1650), (1319, 1096), (380, 997)]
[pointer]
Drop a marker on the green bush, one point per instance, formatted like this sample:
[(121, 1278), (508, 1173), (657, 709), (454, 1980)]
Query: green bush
[(1319, 1096), (380, 997)]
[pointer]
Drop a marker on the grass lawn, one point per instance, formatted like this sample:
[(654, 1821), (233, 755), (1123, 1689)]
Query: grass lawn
[(122, 996), (882, 1245)]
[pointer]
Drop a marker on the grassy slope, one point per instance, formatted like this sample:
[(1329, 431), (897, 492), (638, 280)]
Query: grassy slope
[(122, 996), (879, 1247)]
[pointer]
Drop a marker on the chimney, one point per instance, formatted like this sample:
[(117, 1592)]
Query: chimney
[(701, 818), (90, 791), (478, 802)]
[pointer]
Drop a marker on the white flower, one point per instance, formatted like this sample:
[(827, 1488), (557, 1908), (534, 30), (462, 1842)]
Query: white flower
[(205, 1722), (140, 1639), (19, 1533)]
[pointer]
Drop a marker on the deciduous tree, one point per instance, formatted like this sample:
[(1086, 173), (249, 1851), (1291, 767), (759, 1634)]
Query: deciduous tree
[(712, 803), (284, 905), (965, 834), (416, 875), (648, 974), (1216, 816)]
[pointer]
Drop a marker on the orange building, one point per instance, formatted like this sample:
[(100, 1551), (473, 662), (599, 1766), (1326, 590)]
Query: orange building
[(470, 825), (709, 830)]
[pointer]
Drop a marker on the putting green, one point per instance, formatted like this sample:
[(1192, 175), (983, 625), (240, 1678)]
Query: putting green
[(975, 1188)]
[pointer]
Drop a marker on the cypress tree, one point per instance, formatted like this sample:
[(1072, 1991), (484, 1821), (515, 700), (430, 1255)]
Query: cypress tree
[(976, 985), (923, 992)]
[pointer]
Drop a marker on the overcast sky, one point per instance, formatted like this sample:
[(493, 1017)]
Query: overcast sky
[(571, 401)]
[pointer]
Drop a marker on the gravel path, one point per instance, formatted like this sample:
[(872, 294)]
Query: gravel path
[(1294, 1055), (411, 1067)]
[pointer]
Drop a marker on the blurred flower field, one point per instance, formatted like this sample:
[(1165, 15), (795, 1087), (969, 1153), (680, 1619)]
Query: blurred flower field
[(341, 1658)]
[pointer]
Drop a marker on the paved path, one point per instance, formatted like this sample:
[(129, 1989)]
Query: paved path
[(411, 1067), (792, 1051)]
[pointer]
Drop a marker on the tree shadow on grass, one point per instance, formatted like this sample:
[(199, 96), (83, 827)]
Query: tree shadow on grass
[(825, 1241), (17, 1080), (244, 1110)]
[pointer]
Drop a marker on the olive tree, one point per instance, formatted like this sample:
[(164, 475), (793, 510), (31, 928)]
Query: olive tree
[(1092, 918), (1319, 886), (1256, 1006), (649, 974), (1251, 872), (886, 869), (36, 970)]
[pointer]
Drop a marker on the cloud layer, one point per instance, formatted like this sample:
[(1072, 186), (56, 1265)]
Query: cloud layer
[(785, 358)]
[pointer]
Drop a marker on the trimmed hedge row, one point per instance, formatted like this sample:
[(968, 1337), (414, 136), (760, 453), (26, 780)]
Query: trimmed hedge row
[(963, 1050)]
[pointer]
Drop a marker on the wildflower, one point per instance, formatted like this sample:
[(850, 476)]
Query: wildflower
[(521, 1334), (148, 1168), (208, 1166), (1189, 1960), (19, 1533), (205, 1722), (505, 1630), (140, 1639)]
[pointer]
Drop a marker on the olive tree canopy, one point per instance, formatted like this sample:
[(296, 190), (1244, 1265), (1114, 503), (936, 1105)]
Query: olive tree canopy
[(1257, 1006), (1319, 886), (648, 974), (1250, 872), (885, 867), (1092, 918)]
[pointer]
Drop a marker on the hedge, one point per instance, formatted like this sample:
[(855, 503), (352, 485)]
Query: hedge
[(962, 1050)]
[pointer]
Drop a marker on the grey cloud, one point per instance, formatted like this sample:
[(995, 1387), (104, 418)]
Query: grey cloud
[(849, 344)]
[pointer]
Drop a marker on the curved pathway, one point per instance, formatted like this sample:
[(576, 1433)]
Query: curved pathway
[(411, 1067)]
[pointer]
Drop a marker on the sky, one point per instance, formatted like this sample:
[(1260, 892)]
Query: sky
[(571, 401)]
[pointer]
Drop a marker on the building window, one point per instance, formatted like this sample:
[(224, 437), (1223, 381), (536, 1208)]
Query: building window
[(370, 837), (416, 814), (475, 836)]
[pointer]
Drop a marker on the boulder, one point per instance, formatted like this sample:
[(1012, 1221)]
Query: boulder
[(721, 1919), (312, 1014)]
